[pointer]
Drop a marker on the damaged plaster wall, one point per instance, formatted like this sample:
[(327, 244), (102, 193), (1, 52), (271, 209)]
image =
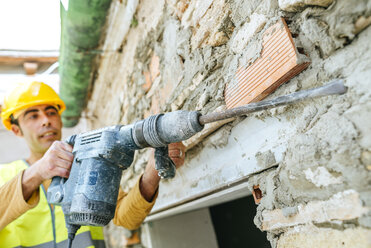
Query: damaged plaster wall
[(179, 54)]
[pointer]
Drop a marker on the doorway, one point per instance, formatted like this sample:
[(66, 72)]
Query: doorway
[(234, 224)]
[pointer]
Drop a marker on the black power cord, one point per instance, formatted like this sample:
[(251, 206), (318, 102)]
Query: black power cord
[(72, 229)]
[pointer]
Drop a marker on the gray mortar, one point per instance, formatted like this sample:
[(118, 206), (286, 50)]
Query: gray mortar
[(365, 221), (220, 138), (265, 159), (241, 10), (289, 211), (326, 30), (267, 186)]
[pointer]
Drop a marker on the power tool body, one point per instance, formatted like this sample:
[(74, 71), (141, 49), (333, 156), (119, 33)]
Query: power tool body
[(89, 195)]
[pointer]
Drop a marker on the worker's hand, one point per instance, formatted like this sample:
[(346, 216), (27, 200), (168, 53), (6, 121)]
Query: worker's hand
[(56, 161), (177, 153), (150, 179)]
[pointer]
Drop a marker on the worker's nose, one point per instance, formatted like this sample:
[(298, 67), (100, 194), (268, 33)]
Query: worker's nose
[(45, 120)]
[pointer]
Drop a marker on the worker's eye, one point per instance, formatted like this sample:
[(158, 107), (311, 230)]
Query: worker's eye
[(33, 116), (52, 113)]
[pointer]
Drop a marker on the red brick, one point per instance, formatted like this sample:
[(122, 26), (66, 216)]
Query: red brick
[(154, 71), (154, 67), (257, 194), (147, 86), (278, 63)]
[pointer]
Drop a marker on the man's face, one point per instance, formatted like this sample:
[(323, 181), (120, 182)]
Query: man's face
[(40, 126)]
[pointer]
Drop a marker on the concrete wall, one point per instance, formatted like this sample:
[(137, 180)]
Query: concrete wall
[(312, 160)]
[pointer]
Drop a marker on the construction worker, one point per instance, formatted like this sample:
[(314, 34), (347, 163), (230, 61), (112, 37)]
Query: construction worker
[(33, 111)]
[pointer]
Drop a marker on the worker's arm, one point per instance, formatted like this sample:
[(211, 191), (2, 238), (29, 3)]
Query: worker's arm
[(22, 192), (150, 180), (133, 208), (12, 203)]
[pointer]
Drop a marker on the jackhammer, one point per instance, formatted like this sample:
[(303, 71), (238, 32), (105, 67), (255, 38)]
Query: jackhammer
[(89, 195)]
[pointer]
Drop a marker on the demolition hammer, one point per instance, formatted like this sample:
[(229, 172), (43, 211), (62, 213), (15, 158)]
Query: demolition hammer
[(89, 195)]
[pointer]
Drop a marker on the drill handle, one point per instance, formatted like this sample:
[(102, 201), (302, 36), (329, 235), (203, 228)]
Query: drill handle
[(55, 193), (164, 165)]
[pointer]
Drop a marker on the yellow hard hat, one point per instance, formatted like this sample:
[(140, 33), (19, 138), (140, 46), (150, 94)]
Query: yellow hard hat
[(26, 95)]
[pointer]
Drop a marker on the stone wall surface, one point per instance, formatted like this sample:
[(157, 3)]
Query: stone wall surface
[(167, 55)]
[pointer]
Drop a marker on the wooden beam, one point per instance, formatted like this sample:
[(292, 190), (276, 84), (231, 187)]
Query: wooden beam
[(19, 57)]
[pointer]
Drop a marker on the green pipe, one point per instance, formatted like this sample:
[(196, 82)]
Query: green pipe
[(81, 29)]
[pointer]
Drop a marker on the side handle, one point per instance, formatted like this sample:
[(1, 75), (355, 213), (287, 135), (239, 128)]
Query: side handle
[(55, 193), (164, 165)]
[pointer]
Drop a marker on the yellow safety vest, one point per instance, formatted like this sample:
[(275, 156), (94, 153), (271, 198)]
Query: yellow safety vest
[(42, 226)]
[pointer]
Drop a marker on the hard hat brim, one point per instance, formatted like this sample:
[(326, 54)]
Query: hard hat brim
[(5, 116)]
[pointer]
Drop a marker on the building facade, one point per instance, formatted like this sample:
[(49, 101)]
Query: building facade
[(308, 165)]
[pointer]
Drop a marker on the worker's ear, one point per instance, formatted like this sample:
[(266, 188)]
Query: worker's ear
[(17, 130)]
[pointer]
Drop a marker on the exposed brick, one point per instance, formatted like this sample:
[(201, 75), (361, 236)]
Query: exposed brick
[(155, 106), (159, 96), (279, 62), (164, 93), (342, 206), (148, 84), (152, 74), (154, 66), (257, 194), (297, 5)]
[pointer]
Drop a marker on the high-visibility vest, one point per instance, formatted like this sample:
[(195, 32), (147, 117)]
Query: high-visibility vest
[(44, 225)]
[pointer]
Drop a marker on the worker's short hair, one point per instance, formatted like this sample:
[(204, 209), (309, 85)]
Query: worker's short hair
[(13, 120)]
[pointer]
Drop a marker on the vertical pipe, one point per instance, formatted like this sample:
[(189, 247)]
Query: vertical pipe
[(81, 29)]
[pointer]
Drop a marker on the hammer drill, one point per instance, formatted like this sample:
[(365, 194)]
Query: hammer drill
[(89, 195)]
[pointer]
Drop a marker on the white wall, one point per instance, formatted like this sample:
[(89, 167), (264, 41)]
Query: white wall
[(193, 229)]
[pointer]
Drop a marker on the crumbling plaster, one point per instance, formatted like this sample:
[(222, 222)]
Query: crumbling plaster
[(319, 147)]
